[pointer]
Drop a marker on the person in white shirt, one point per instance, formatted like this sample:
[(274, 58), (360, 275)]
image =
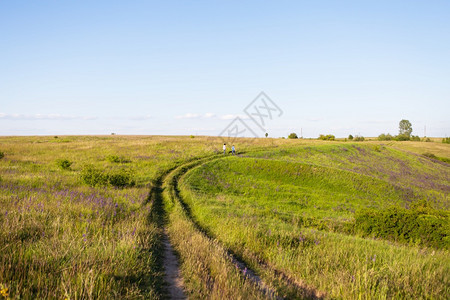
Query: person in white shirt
[(224, 148)]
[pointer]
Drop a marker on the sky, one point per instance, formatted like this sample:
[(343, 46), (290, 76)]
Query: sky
[(192, 67)]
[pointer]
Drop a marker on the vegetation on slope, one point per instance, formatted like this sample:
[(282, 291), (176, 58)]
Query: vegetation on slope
[(295, 209)]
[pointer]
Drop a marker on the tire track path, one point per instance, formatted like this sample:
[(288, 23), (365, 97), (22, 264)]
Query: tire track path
[(173, 277)]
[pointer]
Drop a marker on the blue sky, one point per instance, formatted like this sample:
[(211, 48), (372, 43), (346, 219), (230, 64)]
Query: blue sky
[(190, 67)]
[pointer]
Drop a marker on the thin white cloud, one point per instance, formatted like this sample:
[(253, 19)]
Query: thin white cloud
[(210, 115), (188, 116), (207, 115), (28, 117), (228, 117)]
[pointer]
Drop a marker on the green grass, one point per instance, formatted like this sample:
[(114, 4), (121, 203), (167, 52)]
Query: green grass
[(281, 205), (311, 191), (294, 209), (206, 268), (61, 238)]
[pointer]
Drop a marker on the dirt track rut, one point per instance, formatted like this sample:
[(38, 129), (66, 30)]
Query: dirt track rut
[(172, 272)]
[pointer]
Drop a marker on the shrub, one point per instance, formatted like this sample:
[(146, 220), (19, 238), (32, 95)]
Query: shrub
[(402, 137), (428, 140), (385, 137), (64, 164), (359, 138), (444, 159), (419, 225), (328, 137), (120, 178), (430, 155), (117, 159), (93, 177), (293, 135), (446, 140), (350, 137), (415, 138), (2, 154)]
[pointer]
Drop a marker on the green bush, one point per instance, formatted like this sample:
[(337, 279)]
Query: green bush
[(430, 155), (419, 225), (2, 154), (359, 138), (328, 137), (402, 137), (117, 159), (93, 177), (350, 137), (293, 135), (444, 159), (415, 138), (385, 137), (446, 140), (64, 164), (120, 178)]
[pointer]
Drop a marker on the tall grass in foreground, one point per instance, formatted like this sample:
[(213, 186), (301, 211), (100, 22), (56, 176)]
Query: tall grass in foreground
[(76, 244), (60, 238)]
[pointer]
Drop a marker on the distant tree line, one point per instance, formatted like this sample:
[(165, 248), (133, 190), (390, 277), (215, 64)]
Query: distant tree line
[(404, 134)]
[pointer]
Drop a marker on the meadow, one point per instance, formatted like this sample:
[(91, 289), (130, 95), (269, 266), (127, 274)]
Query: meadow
[(84, 217), (62, 238), (295, 209)]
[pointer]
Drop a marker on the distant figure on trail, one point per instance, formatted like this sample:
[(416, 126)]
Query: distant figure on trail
[(224, 148), (233, 150)]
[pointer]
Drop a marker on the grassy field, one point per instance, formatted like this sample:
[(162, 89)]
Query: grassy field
[(294, 208), (78, 218), (61, 238)]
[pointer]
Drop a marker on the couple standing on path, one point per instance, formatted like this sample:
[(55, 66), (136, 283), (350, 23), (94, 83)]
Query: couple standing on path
[(233, 150)]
